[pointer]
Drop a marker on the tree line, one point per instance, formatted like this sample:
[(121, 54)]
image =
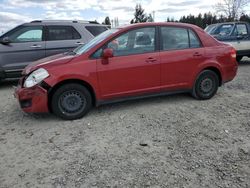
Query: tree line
[(227, 10), (203, 20)]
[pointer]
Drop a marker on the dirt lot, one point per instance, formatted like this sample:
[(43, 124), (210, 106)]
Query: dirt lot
[(172, 141)]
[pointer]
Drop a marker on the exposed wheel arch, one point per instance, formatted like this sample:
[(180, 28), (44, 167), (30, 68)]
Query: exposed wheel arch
[(81, 82), (216, 70)]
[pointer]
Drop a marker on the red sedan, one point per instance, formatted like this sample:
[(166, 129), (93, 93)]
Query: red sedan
[(138, 60)]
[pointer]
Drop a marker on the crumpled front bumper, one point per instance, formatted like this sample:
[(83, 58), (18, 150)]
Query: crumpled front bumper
[(32, 100)]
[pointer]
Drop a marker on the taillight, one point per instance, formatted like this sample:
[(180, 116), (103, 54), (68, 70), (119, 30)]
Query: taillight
[(233, 53)]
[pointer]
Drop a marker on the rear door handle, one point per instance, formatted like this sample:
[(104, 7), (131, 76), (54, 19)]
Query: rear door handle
[(151, 60), (36, 46)]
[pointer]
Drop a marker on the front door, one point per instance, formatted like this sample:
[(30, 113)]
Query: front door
[(135, 67), (26, 45)]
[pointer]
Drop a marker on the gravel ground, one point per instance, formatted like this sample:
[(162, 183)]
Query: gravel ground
[(172, 141)]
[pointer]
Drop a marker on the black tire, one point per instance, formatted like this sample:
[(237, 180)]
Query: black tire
[(239, 58), (71, 101), (206, 85)]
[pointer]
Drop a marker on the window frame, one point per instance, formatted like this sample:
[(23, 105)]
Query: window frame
[(104, 46), (21, 26), (72, 29), (188, 32)]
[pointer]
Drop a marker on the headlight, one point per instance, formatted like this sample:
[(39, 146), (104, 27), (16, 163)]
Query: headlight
[(36, 77)]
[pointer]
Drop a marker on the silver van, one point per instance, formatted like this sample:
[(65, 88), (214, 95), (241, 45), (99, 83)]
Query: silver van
[(41, 38)]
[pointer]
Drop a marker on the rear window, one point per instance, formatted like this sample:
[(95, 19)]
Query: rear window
[(62, 33), (96, 30)]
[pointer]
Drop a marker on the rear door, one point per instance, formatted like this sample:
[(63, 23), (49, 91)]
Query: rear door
[(26, 45), (61, 38), (181, 52)]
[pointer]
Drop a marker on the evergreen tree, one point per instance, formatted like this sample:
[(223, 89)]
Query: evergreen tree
[(244, 18), (139, 15), (106, 21)]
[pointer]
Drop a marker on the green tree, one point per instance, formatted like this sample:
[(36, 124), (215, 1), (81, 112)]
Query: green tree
[(139, 15), (244, 18), (106, 21)]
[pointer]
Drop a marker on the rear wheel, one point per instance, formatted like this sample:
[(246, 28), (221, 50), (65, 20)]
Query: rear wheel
[(71, 101), (206, 85)]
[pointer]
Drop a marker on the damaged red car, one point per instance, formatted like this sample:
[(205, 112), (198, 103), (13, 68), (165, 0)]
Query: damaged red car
[(130, 62)]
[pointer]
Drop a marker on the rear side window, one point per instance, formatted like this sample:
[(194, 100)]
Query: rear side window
[(62, 33), (174, 38), (96, 30), (194, 41)]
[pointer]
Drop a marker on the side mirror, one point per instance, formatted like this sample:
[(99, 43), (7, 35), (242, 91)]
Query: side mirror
[(5, 40), (108, 53)]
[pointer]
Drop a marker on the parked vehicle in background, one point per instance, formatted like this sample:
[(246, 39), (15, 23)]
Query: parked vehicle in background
[(38, 39), (138, 60), (235, 33)]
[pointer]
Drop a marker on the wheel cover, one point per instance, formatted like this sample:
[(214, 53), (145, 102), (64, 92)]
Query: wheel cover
[(72, 102), (207, 86)]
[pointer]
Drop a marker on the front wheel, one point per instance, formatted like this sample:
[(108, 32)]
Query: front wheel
[(71, 101), (206, 85)]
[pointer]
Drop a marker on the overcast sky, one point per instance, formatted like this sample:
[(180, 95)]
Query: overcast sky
[(15, 12)]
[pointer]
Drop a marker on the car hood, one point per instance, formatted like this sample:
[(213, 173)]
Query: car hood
[(48, 61)]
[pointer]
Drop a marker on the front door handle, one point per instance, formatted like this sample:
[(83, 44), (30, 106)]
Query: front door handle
[(151, 60), (79, 43), (36, 46)]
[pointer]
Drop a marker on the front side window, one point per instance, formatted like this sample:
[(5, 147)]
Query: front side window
[(225, 29), (62, 33), (137, 41), (27, 34), (174, 38)]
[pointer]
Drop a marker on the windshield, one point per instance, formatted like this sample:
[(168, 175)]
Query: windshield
[(84, 48), (209, 29)]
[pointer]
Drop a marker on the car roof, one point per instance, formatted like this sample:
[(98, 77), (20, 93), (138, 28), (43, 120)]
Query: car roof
[(228, 23), (148, 24), (60, 22)]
